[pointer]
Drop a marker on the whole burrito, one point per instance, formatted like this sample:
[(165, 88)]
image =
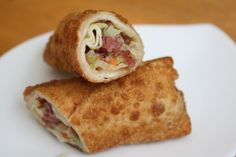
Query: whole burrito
[(144, 106), (99, 45)]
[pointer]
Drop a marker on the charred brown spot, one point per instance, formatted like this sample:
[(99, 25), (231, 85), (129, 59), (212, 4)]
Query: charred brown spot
[(91, 113), (137, 82), (124, 97), (75, 121), (125, 133), (100, 123), (143, 124), (121, 83), (134, 115), (157, 109), (108, 99), (136, 105), (115, 110), (106, 119)]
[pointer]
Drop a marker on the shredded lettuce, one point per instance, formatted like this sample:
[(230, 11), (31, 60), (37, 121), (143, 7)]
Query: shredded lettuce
[(77, 141), (92, 58), (111, 31)]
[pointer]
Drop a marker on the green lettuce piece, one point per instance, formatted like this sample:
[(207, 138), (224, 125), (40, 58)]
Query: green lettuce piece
[(92, 58), (77, 140)]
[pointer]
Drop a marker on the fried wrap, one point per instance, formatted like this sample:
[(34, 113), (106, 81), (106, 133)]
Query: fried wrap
[(99, 45), (142, 107)]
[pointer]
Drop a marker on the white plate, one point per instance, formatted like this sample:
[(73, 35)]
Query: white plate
[(205, 58)]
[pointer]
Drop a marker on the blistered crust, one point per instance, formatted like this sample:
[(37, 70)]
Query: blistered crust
[(61, 94), (60, 51), (144, 106)]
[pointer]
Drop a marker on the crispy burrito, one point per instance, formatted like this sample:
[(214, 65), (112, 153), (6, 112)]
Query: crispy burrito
[(100, 46), (142, 107)]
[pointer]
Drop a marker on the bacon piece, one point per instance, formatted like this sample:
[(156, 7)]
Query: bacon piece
[(112, 44), (49, 117), (48, 107), (128, 59), (102, 52)]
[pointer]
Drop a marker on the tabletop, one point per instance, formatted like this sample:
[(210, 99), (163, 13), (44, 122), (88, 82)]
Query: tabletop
[(23, 19)]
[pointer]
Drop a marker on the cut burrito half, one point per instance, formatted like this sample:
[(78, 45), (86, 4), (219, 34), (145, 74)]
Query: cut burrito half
[(142, 107), (99, 45)]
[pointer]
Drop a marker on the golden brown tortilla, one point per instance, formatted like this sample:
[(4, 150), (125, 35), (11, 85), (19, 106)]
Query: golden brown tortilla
[(144, 106)]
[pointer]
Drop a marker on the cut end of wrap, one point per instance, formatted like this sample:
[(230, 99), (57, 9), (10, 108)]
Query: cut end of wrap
[(52, 117), (101, 46)]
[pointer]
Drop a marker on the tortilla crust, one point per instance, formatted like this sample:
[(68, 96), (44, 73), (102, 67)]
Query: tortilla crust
[(142, 107), (60, 51), (61, 93)]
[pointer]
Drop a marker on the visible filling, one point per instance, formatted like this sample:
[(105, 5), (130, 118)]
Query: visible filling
[(108, 48), (65, 133)]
